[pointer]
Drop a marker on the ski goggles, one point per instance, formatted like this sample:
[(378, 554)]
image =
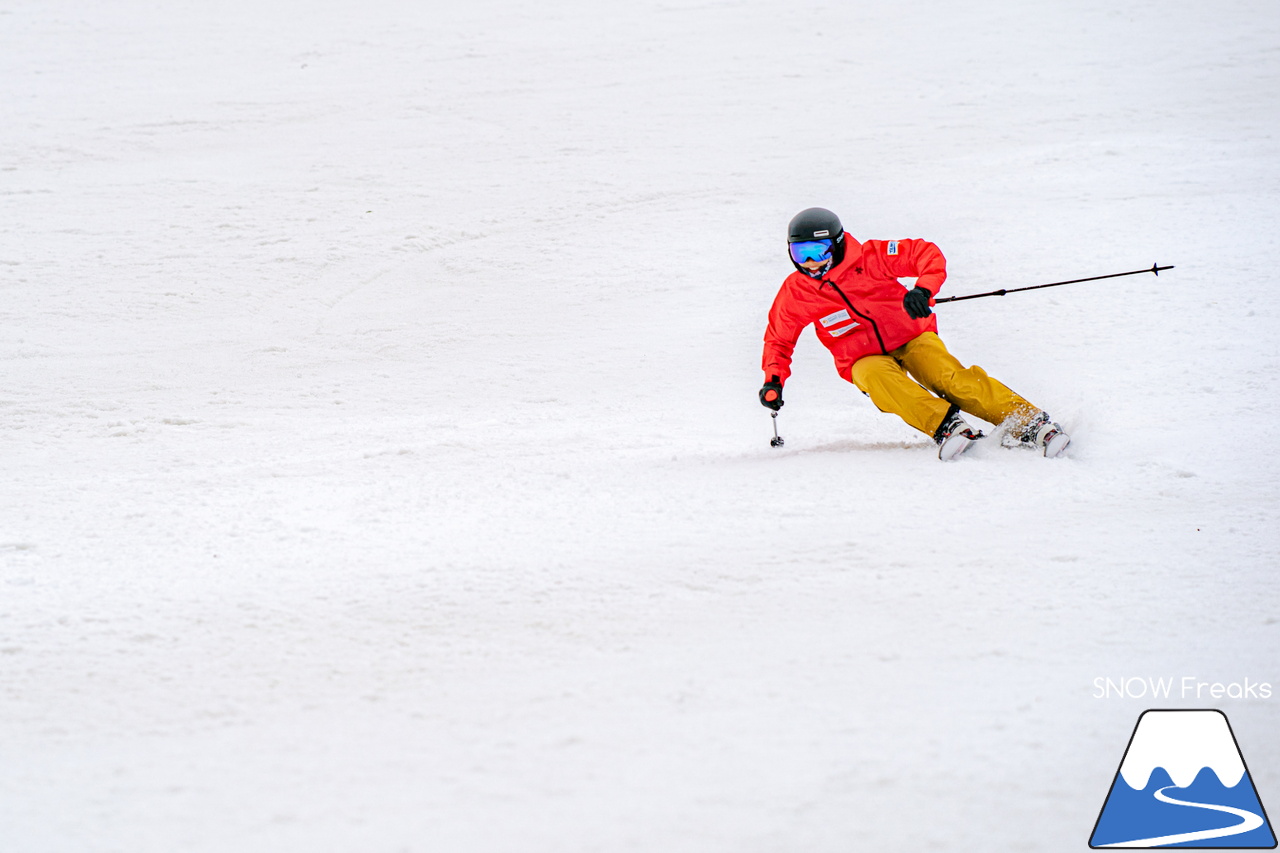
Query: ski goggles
[(810, 250)]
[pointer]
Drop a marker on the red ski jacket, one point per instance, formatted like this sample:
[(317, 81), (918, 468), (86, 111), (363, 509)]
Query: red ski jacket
[(856, 307)]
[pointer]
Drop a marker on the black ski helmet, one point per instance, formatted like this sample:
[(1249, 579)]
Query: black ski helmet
[(817, 223)]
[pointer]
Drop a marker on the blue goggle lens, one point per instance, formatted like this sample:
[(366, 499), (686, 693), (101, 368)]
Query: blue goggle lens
[(811, 250)]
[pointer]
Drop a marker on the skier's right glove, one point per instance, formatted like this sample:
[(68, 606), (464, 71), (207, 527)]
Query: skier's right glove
[(771, 394)]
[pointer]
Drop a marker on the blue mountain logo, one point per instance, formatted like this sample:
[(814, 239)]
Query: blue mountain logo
[(1183, 783)]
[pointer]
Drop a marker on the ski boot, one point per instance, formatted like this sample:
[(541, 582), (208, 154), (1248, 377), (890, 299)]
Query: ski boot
[(955, 436), (1045, 435)]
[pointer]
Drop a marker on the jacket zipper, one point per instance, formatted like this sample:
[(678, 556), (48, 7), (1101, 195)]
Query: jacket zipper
[(875, 328)]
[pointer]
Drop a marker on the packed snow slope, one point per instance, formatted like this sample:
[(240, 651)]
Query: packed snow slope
[(383, 469)]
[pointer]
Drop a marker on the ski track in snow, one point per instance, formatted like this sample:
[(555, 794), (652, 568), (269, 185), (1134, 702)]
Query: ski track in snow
[(383, 468)]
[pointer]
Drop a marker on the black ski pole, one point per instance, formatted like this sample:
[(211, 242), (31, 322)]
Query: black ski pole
[(1154, 269), (776, 441)]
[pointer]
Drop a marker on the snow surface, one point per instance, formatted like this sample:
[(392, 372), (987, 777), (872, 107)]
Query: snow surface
[(383, 469)]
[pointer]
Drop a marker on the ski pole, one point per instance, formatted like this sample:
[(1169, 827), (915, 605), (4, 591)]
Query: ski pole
[(776, 441), (1154, 269)]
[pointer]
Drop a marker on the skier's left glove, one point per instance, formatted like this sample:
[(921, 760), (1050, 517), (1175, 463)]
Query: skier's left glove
[(771, 394), (916, 303)]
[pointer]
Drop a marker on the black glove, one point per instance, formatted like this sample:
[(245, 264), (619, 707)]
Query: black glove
[(916, 303), (771, 394)]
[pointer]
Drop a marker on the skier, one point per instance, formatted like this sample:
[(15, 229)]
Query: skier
[(884, 339)]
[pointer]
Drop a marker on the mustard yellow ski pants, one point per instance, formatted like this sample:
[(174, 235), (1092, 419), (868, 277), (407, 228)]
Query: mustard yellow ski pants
[(885, 379)]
